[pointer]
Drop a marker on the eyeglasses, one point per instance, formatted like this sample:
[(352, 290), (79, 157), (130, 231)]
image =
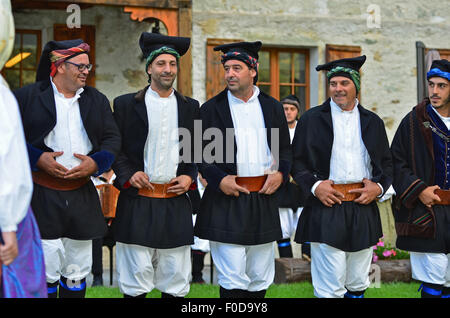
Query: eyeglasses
[(81, 67)]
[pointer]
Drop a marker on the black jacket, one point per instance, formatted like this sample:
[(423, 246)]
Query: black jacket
[(215, 113), (130, 113), (38, 111), (414, 170), (313, 142)]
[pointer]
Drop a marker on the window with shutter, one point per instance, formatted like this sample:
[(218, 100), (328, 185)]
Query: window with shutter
[(20, 69), (285, 71)]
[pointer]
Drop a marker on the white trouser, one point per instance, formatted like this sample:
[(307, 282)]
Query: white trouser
[(288, 221), (433, 268), (333, 271), (66, 257), (247, 267), (136, 273)]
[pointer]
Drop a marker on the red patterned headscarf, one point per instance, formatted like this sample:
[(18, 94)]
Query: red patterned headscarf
[(59, 56)]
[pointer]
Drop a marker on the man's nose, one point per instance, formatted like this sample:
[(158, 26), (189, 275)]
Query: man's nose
[(435, 89), (166, 68), (229, 73)]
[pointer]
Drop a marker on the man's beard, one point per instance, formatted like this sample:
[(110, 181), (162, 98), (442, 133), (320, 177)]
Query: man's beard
[(162, 81), (446, 102)]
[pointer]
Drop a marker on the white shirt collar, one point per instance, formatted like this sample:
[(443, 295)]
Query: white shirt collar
[(57, 92), (156, 95), (336, 107), (233, 99)]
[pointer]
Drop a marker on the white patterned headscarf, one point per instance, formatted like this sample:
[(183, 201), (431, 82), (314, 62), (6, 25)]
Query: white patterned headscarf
[(6, 33)]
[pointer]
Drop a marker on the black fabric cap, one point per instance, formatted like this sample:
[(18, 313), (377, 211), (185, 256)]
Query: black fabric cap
[(43, 70), (354, 63), (150, 42), (250, 48), (443, 65)]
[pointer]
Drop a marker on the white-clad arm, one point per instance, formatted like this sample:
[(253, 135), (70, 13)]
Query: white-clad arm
[(16, 185)]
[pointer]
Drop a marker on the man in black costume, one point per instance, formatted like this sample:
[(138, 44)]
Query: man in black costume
[(71, 135), (239, 208), (290, 196), (420, 151), (343, 163), (154, 170)]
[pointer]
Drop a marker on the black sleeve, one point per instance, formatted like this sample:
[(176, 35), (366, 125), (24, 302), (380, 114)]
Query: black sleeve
[(407, 184), (300, 172), (190, 168), (110, 141), (121, 166)]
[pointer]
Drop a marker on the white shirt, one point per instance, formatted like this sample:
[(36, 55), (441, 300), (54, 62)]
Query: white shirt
[(69, 134), (16, 185), (445, 120), (350, 161), (96, 181), (161, 152), (292, 132), (253, 157)]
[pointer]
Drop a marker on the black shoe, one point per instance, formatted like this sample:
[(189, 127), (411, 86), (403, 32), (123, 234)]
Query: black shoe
[(97, 281), (429, 290), (198, 280)]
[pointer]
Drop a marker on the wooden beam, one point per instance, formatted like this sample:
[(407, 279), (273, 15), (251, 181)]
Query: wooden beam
[(168, 4), (168, 16), (184, 81), (27, 4)]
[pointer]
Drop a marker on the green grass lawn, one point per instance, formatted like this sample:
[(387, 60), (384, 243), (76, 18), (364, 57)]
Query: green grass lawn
[(294, 290)]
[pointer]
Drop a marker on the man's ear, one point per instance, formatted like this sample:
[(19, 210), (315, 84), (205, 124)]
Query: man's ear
[(61, 68), (253, 72)]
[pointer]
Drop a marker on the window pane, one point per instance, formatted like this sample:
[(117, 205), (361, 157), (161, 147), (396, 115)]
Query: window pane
[(13, 78), (15, 51), (284, 61), (29, 46), (300, 92), (265, 89), (299, 68), (28, 77), (285, 91), (17, 39), (264, 67)]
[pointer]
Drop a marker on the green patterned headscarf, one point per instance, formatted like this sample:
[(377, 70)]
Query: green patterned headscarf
[(355, 77)]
